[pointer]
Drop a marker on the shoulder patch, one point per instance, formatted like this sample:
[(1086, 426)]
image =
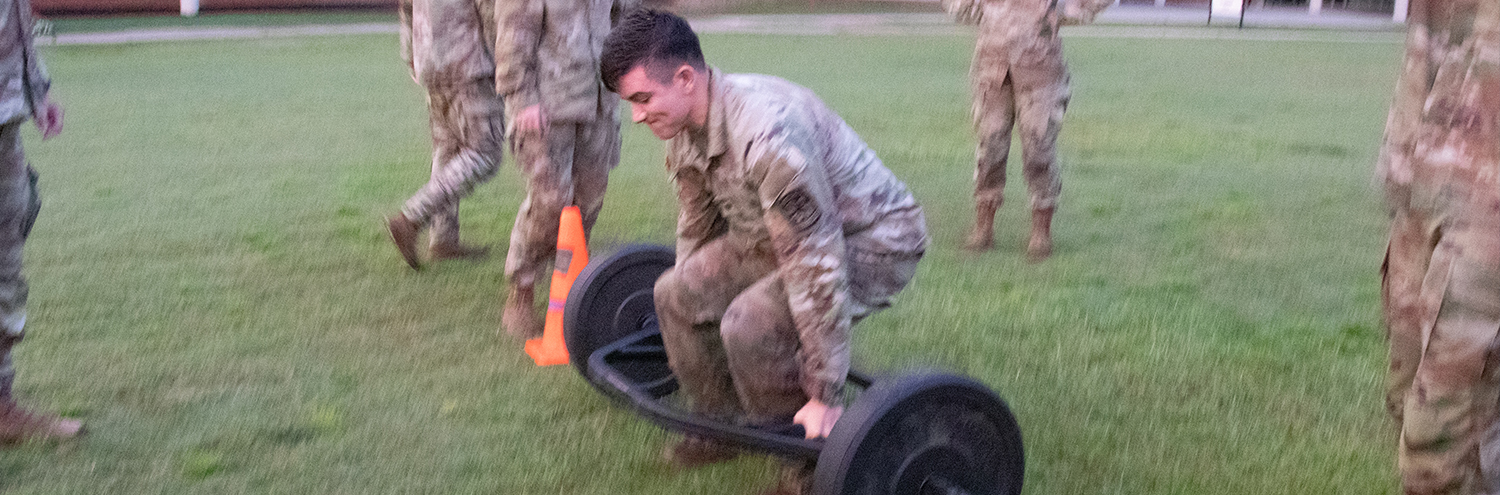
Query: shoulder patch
[(799, 209)]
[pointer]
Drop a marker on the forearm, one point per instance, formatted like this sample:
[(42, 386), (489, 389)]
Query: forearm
[(817, 293), (807, 234)]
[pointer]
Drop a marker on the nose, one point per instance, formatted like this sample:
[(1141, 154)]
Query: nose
[(637, 114)]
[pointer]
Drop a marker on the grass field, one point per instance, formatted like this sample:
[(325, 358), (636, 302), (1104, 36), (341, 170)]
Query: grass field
[(213, 292), (85, 24)]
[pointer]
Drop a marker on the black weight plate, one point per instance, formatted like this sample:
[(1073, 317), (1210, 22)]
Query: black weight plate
[(612, 298), (923, 433)]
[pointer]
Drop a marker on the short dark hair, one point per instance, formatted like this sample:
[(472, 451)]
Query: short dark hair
[(658, 40)]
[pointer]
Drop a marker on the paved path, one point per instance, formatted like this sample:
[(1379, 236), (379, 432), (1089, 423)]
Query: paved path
[(1121, 21)]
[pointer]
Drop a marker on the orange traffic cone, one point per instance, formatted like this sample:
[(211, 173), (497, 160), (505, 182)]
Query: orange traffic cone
[(572, 256)]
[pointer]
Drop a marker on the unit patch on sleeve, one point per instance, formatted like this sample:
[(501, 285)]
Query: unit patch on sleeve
[(799, 209)]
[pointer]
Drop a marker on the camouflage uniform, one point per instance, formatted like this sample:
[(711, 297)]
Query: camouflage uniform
[(782, 244), (1019, 78), (548, 54), (23, 88), (1441, 278), (449, 45)]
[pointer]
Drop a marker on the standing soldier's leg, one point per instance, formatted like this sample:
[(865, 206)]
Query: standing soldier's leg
[(1406, 259), (1452, 402), (994, 116), (442, 231), (468, 128), (444, 224), (14, 196), (598, 153), (17, 423), (482, 127), (548, 166), (1040, 114), (691, 300)]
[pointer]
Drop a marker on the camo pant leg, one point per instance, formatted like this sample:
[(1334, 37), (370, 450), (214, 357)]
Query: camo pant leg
[(547, 164), (761, 344), (569, 167), (468, 138), (1452, 403), (994, 117), (691, 301), (597, 152), (1039, 114), (15, 197), (443, 227), (1407, 255)]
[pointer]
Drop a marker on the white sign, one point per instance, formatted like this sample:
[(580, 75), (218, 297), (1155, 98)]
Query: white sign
[(1226, 8)]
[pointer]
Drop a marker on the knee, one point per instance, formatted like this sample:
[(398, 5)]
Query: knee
[(675, 294), (664, 293), (748, 321)]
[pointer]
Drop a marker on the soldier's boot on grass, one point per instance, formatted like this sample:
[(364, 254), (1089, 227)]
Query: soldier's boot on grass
[(17, 424), (1040, 246), (404, 235), (457, 251), (982, 236), (520, 316), (693, 451)]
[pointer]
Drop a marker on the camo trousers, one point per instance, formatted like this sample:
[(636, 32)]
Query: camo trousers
[(1441, 293), (1037, 109), (569, 167), (468, 139), (18, 207), (729, 333)]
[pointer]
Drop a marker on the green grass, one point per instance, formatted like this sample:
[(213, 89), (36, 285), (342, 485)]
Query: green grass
[(89, 24), (213, 293), (826, 7)]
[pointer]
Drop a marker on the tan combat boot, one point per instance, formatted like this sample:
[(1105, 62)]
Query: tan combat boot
[(694, 451), (982, 236), (457, 251), (520, 319), (18, 425), (404, 235), (1039, 247)]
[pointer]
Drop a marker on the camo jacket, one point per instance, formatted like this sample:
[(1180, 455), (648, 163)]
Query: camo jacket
[(776, 171), (1440, 151), (23, 78), (1021, 34), (548, 53)]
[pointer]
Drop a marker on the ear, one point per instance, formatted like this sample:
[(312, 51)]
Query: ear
[(686, 76)]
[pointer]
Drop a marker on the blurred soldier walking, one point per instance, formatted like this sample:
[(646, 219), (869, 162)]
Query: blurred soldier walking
[(563, 130), (1441, 278), (1019, 79), (449, 45), (24, 93)]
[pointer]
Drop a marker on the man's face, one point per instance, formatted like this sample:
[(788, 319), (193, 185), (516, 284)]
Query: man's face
[(665, 108)]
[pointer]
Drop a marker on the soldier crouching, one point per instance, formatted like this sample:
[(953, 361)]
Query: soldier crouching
[(789, 231)]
